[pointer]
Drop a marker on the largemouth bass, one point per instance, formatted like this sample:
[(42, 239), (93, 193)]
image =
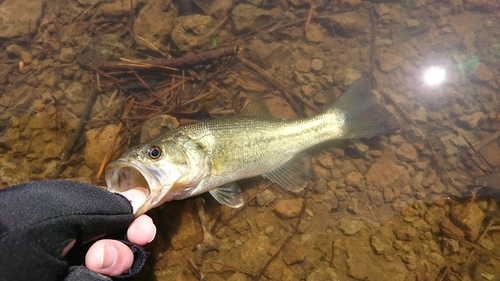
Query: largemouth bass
[(211, 156)]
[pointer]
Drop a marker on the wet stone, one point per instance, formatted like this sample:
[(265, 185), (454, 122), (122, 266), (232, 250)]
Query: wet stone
[(469, 122), (380, 244), (314, 34), (429, 179), (325, 161), (323, 274), (388, 194), (354, 179), (352, 206), (67, 55), (350, 227), (469, 218), (244, 16), (288, 208), (487, 244), (407, 153), (388, 62), (438, 187), (316, 64), (303, 65), (294, 252), (405, 233), (265, 198)]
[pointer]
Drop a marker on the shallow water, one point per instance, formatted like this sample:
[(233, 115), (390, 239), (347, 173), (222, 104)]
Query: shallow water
[(395, 207)]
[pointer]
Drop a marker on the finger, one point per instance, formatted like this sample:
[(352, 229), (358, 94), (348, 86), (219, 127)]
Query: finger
[(109, 257), (137, 196), (141, 231)]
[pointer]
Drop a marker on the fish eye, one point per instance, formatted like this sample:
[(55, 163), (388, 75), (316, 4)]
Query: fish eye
[(154, 152)]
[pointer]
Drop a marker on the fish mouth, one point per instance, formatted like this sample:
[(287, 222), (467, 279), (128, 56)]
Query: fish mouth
[(124, 175)]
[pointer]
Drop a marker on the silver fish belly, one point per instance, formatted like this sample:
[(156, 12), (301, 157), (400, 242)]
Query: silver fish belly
[(210, 156)]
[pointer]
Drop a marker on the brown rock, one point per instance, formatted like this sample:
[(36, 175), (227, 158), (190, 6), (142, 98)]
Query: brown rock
[(407, 153), (314, 33), (294, 252), (52, 151), (303, 65), (254, 253), (325, 161), (389, 62), (354, 179), (405, 233), (468, 217), (386, 173), (288, 208), (154, 23)]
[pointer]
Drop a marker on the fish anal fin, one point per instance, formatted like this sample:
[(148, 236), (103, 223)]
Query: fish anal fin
[(293, 175), (256, 107), (229, 195)]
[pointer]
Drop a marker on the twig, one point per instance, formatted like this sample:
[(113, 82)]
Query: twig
[(372, 45), (294, 230), (68, 151), (311, 8), (481, 158), (182, 62)]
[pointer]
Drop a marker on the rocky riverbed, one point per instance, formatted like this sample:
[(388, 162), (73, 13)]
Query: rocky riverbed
[(406, 206)]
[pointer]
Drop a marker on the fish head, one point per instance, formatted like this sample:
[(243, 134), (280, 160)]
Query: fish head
[(165, 169)]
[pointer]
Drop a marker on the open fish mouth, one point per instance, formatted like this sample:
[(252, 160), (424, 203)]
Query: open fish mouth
[(124, 175)]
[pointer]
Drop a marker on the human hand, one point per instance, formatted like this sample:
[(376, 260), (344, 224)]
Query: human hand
[(112, 257), (45, 228)]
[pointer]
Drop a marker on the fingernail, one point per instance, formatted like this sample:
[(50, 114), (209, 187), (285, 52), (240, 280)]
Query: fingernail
[(108, 256), (154, 226)]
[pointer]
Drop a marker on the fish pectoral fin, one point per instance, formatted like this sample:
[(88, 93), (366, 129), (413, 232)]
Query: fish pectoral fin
[(229, 195), (293, 175)]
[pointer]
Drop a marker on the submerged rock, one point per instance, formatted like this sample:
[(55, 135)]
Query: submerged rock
[(191, 31), (154, 23), (468, 217)]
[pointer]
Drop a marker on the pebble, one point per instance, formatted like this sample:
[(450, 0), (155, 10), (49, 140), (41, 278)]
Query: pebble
[(407, 153), (303, 65), (317, 64), (314, 33), (469, 218), (294, 252), (380, 244), (244, 16), (469, 122), (487, 244), (350, 227), (354, 179), (405, 233), (265, 198), (352, 206), (323, 274), (430, 178), (288, 208), (67, 55), (388, 62)]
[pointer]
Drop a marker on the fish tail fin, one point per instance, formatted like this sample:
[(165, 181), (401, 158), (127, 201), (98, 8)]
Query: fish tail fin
[(362, 113)]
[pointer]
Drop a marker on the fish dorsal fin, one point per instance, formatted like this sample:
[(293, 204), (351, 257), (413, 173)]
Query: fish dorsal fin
[(256, 107), (293, 175), (229, 195)]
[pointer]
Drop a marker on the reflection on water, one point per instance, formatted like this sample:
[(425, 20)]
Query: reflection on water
[(405, 206)]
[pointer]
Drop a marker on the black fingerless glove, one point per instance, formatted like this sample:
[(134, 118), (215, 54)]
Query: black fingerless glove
[(39, 219)]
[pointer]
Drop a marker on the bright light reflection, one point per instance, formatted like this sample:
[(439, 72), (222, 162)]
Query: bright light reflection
[(434, 76)]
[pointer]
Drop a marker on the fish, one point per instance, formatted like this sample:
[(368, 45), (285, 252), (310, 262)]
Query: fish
[(212, 155)]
